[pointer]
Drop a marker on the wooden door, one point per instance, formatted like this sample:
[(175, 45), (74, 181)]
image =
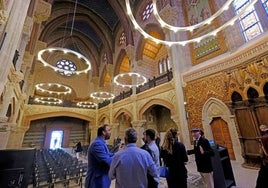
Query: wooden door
[(222, 136)]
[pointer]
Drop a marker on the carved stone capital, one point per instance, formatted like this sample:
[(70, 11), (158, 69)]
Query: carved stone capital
[(3, 119), (16, 77), (138, 123), (28, 26), (3, 17), (42, 11)]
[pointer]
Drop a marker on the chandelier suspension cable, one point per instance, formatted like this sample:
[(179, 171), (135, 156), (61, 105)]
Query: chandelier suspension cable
[(64, 50), (75, 6), (65, 29)]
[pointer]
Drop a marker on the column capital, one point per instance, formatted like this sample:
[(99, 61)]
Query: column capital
[(42, 11), (115, 125), (16, 77), (138, 123), (176, 118)]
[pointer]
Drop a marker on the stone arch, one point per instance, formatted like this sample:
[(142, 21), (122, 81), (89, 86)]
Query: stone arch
[(141, 41), (30, 118), (216, 108), (162, 102), (103, 116), (265, 89), (250, 87), (118, 61), (120, 111)]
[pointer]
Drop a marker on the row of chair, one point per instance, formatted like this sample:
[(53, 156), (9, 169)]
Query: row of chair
[(53, 167)]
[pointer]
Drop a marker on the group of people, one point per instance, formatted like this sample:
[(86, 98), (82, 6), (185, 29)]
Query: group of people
[(134, 167)]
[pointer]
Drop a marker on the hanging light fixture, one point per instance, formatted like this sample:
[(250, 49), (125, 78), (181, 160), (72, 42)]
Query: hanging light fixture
[(187, 28), (64, 66), (136, 77), (50, 88)]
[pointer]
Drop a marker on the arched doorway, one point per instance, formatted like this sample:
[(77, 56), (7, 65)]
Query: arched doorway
[(221, 135)]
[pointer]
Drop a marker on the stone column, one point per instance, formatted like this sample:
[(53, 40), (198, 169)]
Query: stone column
[(179, 61), (6, 98), (4, 133), (13, 29), (115, 130), (16, 135), (139, 127)]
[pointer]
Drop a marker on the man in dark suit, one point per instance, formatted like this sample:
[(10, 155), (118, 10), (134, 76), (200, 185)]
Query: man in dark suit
[(99, 160), (203, 153)]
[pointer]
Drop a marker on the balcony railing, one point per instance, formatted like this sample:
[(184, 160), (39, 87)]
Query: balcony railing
[(155, 81)]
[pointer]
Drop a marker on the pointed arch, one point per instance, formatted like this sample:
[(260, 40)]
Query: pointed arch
[(214, 108), (152, 102), (120, 111)]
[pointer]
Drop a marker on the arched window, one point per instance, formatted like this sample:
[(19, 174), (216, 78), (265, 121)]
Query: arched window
[(164, 65), (122, 39), (249, 21), (147, 11)]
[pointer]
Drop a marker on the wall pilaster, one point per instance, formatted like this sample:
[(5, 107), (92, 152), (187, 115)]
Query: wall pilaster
[(176, 53), (139, 127)]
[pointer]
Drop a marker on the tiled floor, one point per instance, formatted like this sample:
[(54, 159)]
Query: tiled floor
[(245, 178)]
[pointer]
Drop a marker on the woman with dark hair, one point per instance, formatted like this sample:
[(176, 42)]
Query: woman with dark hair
[(174, 156)]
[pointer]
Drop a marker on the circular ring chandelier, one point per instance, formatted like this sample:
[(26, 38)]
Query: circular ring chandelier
[(86, 104), (43, 87), (189, 28), (64, 51), (102, 95), (140, 80), (48, 100)]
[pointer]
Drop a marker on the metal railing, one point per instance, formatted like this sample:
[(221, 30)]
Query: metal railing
[(155, 81)]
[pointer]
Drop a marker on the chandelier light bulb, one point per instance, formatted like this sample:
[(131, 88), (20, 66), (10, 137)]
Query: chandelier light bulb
[(43, 88), (186, 28), (64, 51), (141, 81), (48, 100)]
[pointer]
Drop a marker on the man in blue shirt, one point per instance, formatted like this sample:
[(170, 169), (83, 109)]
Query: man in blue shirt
[(130, 165), (99, 160)]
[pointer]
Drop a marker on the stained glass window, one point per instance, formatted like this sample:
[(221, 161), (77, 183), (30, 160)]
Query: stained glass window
[(122, 39), (147, 11), (66, 67), (249, 20), (265, 5)]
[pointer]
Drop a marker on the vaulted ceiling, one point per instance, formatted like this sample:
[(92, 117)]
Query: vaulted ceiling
[(86, 26), (89, 27)]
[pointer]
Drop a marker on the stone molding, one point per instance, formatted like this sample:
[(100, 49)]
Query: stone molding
[(228, 61)]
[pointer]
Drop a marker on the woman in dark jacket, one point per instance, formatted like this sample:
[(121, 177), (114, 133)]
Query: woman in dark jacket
[(174, 156), (78, 149)]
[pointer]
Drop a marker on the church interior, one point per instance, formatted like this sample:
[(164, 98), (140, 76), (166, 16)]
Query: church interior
[(69, 66)]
